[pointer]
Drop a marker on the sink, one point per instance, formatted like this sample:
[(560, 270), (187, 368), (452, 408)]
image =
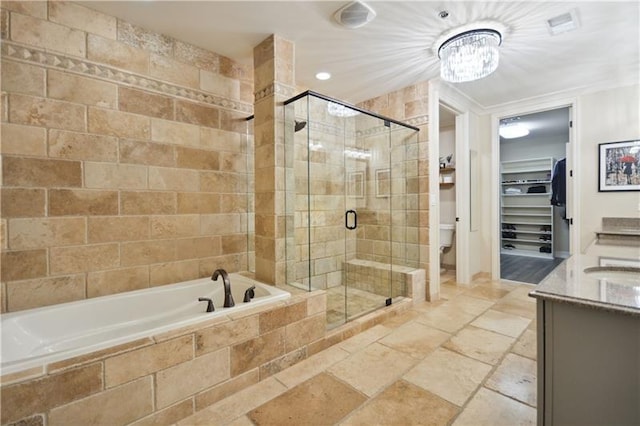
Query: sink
[(627, 275)]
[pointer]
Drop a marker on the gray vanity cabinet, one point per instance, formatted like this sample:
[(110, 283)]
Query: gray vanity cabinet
[(588, 365)]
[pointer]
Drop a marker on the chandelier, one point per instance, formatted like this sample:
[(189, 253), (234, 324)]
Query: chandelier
[(469, 55), (338, 110)]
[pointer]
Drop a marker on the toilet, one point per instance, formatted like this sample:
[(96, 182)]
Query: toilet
[(446, 239)]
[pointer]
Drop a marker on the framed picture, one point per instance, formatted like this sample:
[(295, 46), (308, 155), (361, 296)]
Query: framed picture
[(383, 182), (619, 166), (355, 185)]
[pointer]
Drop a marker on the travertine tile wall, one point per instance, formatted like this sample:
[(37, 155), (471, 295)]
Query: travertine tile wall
[(410, 105), (274, 80), (162, 379), (124, 157)]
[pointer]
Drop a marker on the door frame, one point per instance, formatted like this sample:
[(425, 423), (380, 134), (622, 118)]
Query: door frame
[(573, 212)]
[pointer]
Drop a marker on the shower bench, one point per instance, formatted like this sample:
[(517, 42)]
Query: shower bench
[(372, 276)]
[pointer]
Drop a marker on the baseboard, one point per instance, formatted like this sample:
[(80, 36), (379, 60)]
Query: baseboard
[(481, 275), (562, 254)]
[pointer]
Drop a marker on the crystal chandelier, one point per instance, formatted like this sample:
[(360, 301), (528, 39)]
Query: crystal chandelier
[(470, 55), (338, 110)]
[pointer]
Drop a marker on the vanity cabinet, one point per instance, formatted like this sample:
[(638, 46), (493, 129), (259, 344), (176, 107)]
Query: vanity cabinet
[(588, 365)]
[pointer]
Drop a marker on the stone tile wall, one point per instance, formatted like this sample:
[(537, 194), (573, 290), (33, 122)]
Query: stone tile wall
[(125, 160), (164, 378)]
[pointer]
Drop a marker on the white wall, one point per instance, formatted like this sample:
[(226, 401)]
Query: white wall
[(480, 240), (606, 116), (448, 195)]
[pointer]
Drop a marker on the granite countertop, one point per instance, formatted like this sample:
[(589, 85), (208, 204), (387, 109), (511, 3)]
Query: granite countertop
[(568, 283)]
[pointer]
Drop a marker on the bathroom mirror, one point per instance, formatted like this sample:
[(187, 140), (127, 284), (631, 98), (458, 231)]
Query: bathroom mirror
[(474, 190)]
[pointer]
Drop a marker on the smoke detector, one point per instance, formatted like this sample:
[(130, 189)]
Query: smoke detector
[(354, 15)]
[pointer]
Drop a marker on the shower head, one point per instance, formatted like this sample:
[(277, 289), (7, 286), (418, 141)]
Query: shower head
[(300, 125)]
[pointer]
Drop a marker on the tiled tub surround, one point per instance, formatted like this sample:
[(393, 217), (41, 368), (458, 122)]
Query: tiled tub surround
[(162, 378), (166, 377), (125, 158), (36, 337)]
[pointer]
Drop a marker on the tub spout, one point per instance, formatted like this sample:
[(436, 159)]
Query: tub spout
[(228, 298)]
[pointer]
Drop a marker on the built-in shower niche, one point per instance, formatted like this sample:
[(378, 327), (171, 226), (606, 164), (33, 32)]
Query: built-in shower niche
[(351, 200)]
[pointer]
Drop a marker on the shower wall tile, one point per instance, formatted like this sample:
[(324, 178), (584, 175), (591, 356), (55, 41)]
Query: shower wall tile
[(66, 260), (81, 90), (146, 40), (75, 16), (87, 202), (49, 113), (145, 103), (46, 232), (120, 124), (175, 133), (23, 202), (24, 264), (145, 203), (119, 405), (146, 252), (82, 146), (117, 54), (125, 156), (39, 292), (114, 176), (37, 9), (23, 78), (47, 35), (147, 153), (197, 56), (173, 71), (162, 178), (191, 158), (117, 228), (103, 283)]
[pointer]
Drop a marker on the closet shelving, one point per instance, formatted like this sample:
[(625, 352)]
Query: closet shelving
[(527, 217)]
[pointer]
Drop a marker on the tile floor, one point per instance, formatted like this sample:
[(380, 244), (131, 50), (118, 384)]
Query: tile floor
[(468, 359)]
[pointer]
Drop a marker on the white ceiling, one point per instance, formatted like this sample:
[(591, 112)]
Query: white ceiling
[(395, 49)]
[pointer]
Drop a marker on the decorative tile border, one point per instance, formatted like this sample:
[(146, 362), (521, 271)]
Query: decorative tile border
[(275, 88), (104, 72)]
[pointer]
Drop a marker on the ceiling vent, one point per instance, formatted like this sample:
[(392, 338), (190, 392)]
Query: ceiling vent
[(563, 23), (354, 15)]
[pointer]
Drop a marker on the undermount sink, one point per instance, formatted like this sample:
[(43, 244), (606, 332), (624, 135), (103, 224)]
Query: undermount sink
[(627, 275)]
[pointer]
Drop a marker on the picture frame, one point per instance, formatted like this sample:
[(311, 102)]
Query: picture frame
[(356, 184), (619, 166), (383, 183)]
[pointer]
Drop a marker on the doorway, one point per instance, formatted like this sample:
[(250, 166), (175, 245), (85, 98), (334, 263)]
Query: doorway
[(534, 224), (447, 194)]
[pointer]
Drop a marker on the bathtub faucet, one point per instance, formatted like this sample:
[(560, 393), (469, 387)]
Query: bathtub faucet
[(228, 298)]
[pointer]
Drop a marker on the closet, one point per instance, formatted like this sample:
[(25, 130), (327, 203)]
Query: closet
[(526, 211)]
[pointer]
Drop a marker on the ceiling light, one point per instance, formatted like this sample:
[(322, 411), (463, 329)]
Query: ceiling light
[(469, 55), (338, 110), (323, 75), (513, 130)]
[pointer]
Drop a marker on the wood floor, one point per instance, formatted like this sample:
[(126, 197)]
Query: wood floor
[(526, 269)]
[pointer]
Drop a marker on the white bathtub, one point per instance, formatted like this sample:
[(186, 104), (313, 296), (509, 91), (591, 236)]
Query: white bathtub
[(36, 337)]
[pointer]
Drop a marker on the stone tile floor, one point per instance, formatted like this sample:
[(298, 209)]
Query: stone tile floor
[(468, 359)]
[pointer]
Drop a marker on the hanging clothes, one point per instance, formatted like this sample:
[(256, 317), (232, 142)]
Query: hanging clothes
[(559, 184)]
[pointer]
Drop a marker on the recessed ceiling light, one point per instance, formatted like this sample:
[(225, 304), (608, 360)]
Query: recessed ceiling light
[(513, 130), (323, 75)]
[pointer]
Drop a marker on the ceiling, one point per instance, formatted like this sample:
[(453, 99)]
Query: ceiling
[(396, 49), (550, 124)]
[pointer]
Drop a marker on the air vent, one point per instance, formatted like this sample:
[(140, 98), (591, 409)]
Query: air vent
[(354, 15), (563, 23)]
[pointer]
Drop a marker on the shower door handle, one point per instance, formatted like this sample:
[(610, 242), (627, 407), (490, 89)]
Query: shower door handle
[(355, 219)]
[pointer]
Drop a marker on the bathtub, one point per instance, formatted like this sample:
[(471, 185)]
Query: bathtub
[(37, 337)]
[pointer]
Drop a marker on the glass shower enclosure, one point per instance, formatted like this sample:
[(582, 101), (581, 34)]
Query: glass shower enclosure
[(351, 204)]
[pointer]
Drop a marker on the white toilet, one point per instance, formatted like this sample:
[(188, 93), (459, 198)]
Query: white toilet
[(446, 238)]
